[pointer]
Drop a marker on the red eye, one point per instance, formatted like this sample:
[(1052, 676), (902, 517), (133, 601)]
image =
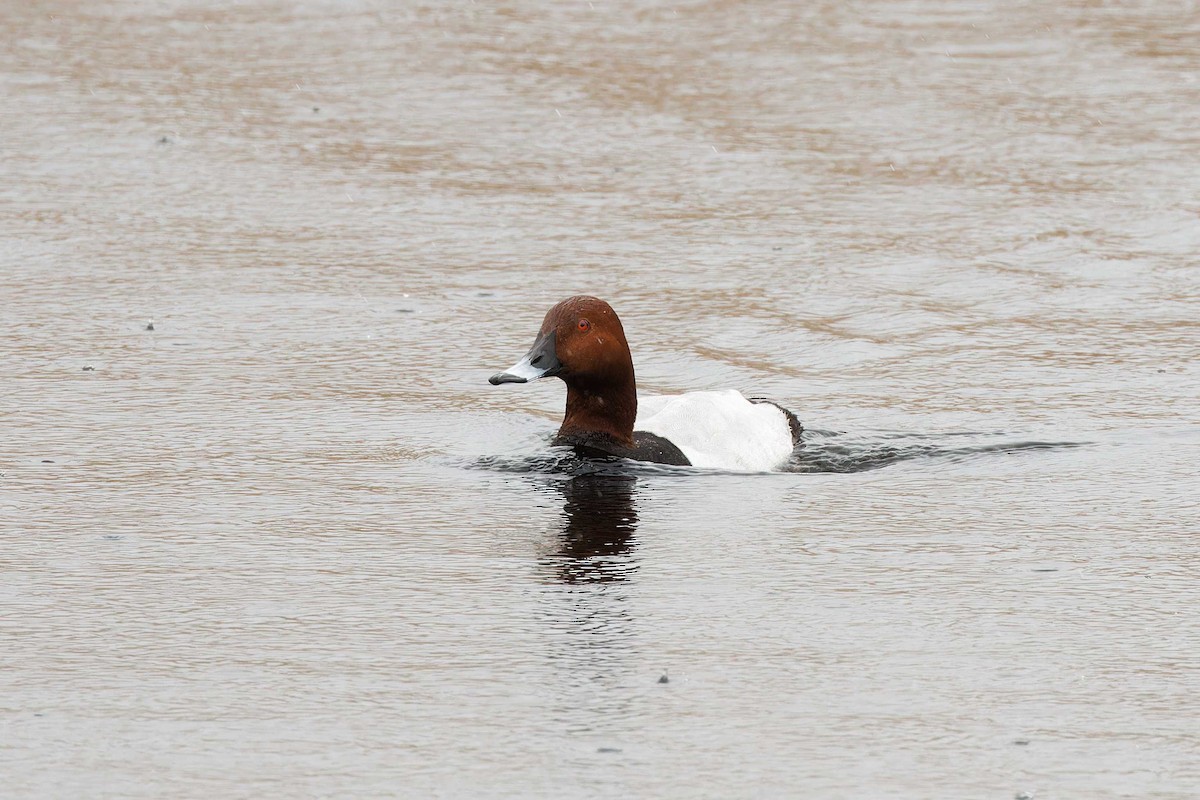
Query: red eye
[(584, 325)]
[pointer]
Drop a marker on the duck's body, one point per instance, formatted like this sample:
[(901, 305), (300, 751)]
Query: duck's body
[(582, 342), (721, 429)]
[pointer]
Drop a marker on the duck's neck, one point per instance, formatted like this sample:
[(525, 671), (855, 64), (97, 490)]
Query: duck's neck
[(600, 411)]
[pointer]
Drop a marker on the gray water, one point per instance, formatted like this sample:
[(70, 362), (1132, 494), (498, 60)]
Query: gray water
[(290, 543)]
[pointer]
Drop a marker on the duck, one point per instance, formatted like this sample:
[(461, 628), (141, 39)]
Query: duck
[(582, 342)]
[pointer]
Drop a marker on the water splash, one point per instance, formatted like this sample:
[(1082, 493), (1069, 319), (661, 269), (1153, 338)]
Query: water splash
[(819, 452)]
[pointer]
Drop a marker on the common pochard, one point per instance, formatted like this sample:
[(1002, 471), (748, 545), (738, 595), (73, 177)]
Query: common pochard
[(582, 342)]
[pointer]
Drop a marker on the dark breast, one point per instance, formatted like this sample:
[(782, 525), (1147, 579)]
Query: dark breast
[(656, 449), (646, 447)]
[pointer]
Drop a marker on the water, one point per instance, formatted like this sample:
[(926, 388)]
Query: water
[(291, 543)]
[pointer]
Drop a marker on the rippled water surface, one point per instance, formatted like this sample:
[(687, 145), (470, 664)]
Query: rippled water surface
[(268, 532)]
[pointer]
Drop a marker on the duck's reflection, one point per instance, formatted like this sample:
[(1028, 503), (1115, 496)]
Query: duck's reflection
[(588, 613), (599, 520)]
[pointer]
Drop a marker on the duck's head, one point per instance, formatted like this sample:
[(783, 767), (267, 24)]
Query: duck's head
[(582, 342)]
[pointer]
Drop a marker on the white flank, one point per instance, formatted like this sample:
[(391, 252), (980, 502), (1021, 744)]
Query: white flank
[(719, 430)]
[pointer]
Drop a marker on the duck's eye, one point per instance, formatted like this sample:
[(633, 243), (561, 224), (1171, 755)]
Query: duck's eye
[(584, 325)]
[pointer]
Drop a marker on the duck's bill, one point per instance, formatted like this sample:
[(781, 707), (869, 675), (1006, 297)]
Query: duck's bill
[(540, 362)]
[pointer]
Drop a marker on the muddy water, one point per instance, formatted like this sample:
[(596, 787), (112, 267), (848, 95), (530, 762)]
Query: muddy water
[(289, 542)]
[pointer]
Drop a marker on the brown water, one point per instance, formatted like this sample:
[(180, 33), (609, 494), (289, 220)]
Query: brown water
[(291, 543)]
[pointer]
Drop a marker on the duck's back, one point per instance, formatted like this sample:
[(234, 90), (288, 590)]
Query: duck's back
[(719, 430)]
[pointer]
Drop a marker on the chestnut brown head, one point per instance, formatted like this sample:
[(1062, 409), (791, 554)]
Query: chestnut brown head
[(581, 341)]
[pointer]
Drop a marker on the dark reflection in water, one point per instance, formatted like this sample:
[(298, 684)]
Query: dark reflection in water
[(599, 519), (588, 616)]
